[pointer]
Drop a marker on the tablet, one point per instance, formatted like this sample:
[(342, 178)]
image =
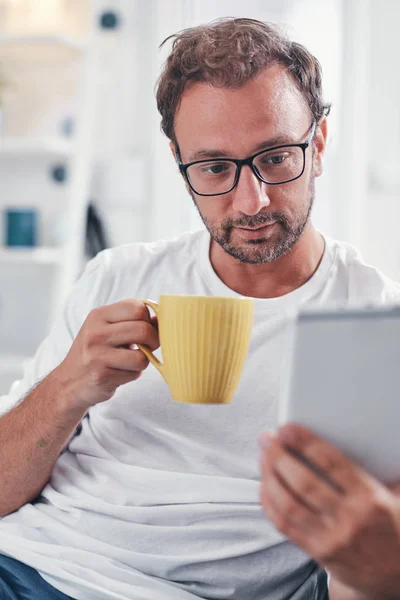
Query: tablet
[(343, 383)]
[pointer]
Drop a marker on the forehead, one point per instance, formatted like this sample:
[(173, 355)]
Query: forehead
[(237, 120)]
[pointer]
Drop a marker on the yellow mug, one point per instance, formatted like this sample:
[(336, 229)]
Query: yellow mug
[(204, 342)]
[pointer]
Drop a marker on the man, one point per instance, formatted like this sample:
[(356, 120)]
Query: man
[(153, 499)]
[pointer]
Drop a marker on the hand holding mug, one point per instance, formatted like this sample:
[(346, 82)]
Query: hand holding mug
[(204, 344), (102, 357)]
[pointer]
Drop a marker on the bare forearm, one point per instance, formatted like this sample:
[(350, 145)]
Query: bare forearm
[(32, 436)]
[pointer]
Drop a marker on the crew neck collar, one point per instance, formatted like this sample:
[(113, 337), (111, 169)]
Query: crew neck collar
[(292, 299)]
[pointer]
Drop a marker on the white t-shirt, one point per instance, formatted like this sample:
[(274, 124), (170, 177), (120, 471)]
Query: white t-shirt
[(155, 499)]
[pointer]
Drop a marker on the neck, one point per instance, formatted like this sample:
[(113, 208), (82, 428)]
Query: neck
[(271, 280)]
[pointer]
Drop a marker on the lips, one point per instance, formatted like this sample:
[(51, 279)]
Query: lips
[(253, 234), (257, 228)]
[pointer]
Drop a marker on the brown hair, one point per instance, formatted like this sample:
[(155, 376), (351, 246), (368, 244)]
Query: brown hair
[(229, 52)]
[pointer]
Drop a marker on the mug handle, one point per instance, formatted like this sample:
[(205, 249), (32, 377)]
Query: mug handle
[(153, 359)]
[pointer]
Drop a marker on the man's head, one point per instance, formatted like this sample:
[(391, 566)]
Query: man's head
[(232, 89)]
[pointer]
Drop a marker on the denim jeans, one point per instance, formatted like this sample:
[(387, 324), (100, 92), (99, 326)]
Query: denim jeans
[(20, 582)]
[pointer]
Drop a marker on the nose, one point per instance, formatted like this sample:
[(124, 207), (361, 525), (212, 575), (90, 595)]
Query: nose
[(250, 194)]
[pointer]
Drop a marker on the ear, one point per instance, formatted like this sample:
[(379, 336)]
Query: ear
[(320, 139)]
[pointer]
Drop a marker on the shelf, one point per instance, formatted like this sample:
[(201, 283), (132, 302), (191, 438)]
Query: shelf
[(31, 146), (43, 48), (47, 256)]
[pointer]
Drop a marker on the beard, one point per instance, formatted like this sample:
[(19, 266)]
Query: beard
[(264, 249)]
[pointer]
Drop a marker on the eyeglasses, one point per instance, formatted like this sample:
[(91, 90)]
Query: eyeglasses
[(274, 166)]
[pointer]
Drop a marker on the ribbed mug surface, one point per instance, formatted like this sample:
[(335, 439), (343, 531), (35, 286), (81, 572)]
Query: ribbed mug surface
[(204, 343)]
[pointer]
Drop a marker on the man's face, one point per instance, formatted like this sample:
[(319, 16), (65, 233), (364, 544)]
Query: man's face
[(267, 111)]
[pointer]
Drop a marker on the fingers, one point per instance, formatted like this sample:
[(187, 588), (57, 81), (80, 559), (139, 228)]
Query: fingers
[(119, 377), (125, 310), (395, 488), (286, 510), (314, 492), (124, 323), (335, 516), (126, 360), (327, 459), (154, 322), (135, 332)]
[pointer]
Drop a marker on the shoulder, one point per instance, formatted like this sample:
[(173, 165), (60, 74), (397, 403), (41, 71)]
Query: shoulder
[(366, 283), (152, 251), (144, 257), (128, 268), (126, 271)]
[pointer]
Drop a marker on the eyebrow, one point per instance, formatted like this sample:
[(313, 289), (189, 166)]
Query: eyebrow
[(271, 143)]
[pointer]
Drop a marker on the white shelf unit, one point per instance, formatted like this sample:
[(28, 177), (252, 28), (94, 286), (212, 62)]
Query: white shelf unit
[(48, 48), (40, 255), (23, 147), (62, 264)]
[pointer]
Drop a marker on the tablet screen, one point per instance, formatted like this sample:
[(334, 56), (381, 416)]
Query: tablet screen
[(344, 384)]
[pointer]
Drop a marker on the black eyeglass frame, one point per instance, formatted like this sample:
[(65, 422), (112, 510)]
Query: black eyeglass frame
[(246, 161)]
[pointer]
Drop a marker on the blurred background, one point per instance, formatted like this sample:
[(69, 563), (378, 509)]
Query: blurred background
[(83, 164)]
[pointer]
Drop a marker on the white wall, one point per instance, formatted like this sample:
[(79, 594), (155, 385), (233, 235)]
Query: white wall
[(172, 210), (381, 214)]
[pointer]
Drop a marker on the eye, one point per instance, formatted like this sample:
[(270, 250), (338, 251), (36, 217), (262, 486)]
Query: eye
[(277, 159), (215, 168)]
